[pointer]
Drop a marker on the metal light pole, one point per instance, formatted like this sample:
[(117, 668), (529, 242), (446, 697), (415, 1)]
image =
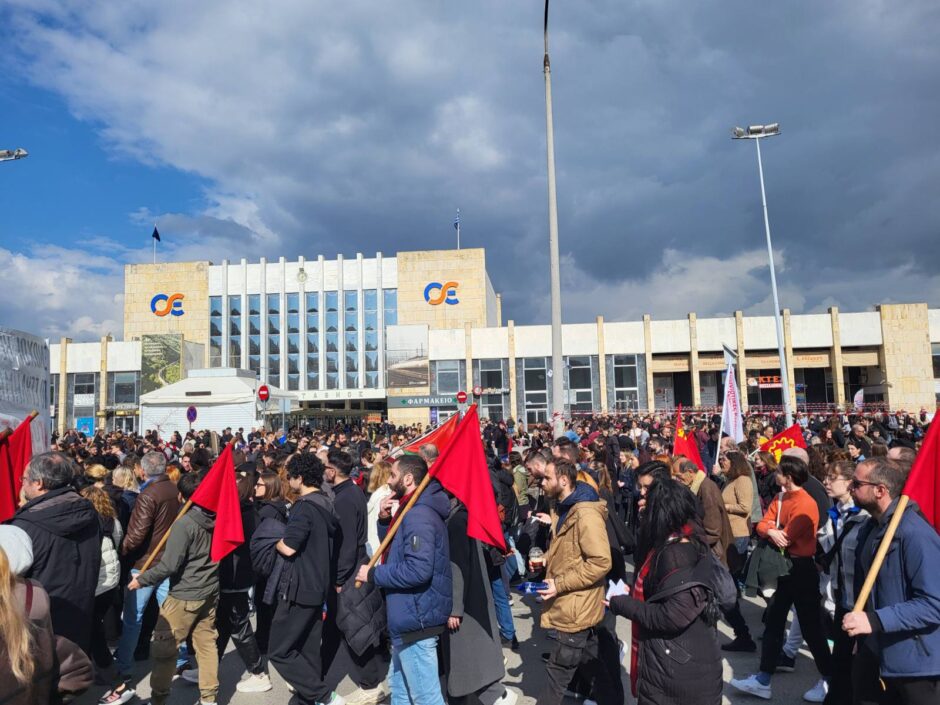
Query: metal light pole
[(557, 369), (757, 133), (9, 155)]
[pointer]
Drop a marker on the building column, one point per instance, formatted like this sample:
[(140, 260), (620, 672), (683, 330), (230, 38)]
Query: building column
[(63, 384), (103, 382), (226, 312), (648, 347), (788, 347), (693, 361), (513, 392), (835, 359), (468, 356), (742, 362), (908, 361), (602, 363)]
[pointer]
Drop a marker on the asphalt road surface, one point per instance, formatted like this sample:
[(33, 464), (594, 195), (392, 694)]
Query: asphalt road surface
[(527, 679)]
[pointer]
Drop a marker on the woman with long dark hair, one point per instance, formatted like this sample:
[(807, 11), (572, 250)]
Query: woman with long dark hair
[(675, 656)]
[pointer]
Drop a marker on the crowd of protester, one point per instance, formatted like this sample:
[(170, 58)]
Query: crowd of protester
[(98, 572)]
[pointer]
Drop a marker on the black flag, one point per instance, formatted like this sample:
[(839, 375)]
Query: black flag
[(156, 235)]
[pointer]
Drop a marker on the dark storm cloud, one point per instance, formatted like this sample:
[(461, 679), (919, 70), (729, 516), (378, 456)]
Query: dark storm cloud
[(362, 128)]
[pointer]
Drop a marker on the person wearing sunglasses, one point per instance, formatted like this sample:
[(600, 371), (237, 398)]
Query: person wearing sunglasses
[(898, 633)]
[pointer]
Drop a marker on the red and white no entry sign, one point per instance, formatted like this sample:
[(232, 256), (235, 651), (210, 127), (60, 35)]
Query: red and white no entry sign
[(264, 393)]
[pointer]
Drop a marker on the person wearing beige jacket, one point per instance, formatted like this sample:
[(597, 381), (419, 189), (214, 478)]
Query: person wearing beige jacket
[(577, 562), (738, 496)]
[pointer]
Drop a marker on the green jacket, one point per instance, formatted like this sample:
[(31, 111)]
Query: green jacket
[(193, 574), (520, 482)]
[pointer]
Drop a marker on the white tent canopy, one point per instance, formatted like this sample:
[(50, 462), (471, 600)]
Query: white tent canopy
[(223, 397), (220, 385)]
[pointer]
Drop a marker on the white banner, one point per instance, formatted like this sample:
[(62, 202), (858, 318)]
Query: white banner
[(731, 409)]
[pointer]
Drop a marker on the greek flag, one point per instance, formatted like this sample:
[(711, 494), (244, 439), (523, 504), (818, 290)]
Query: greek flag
[(457, 220)]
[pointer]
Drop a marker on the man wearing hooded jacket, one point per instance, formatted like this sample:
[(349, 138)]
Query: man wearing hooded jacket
[(577, 562), (66, 540)]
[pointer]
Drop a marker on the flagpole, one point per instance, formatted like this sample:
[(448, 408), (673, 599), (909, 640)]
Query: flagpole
[(154, 246), (7, 432), (880, 555), (185, 508)]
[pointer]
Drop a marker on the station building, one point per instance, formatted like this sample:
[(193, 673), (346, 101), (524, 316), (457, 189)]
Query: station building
[(399, 336)]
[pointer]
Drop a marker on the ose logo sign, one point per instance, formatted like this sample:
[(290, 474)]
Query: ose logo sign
[(447, 293), (163, 305)]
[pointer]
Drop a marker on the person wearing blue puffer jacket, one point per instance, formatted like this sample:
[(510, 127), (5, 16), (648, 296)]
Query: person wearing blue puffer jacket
[(416, 577), (900, 627)]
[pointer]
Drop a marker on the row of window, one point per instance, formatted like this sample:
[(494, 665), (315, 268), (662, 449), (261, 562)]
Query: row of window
[(123, 388), (281, 332)]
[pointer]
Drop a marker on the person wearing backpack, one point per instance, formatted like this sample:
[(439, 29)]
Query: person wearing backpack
[(674, 655)]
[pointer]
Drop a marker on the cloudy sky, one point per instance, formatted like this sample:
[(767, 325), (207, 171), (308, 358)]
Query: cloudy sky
[(248, 129)]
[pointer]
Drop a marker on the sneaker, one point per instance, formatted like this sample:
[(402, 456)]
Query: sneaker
[(752, 686), (254, 683), (335, 699), (817, 693), (119, 694), (740, 643), (786, 664), (190, 675), (367, 696), (510, 643), (509, 697)]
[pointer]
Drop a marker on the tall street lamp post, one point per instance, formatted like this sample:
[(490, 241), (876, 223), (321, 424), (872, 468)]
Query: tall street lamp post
[(8, 155), (557, 369), (757, 133)]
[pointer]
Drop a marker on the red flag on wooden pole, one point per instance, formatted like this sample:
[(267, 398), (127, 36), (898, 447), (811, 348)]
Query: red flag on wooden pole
[(440, 437), (923, 482), (218, 493), (461, 469), (16, 450)]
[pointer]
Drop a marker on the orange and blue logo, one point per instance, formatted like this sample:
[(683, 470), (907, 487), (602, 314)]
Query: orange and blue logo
[(172, 305), (447, 293)]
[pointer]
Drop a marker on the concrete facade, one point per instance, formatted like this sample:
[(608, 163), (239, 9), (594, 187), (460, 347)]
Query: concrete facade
[(477, 305)]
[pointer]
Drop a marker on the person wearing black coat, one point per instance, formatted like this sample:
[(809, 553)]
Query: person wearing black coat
[(66, 536), (269, 505), (471, 653), (236, 578), (675, 657)]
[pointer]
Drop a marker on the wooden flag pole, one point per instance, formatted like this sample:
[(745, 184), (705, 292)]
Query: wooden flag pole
[(393, 529), (880, 555), (7, 432), (159, 547)]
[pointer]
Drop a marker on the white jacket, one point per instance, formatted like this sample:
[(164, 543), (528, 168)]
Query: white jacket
[(110, 572)]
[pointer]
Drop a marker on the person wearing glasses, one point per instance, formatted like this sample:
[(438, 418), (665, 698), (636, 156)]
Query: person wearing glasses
[(839, 539), (898, 633)]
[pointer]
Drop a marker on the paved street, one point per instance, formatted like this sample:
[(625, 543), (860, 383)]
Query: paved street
[(788, 687)]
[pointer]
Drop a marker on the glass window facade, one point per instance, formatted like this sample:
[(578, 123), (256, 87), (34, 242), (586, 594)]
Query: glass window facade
[(351, 338), (273, 306), (235, 331), (491, 379), (370, 337), (626, 389), (332, 340), (390, 304), (124, 388), (313, 340), (580, 386), (447, 377), (254, 333), (293, 342), (215, 331), (535, 381)]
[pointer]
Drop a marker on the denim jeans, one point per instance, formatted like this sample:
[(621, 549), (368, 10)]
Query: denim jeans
[(507, 629), (135, 602), (413, 678)]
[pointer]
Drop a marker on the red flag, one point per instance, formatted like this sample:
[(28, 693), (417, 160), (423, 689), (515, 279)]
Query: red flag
[(440, 436), (685, 444), (461, 469), (218, 493), (791, 437), (922, 485), (16, 450)]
